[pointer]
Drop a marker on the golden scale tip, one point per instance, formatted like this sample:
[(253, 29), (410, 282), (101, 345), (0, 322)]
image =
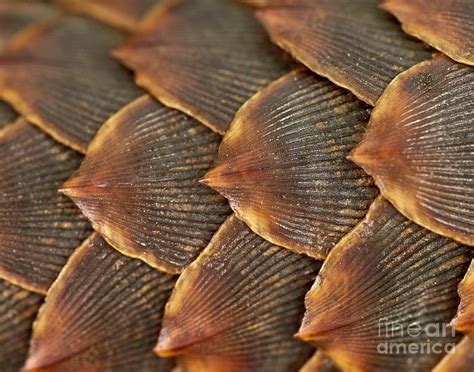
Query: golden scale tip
[(37, 363), (215, 177), (303, 333), (168, 347), (75, 187)]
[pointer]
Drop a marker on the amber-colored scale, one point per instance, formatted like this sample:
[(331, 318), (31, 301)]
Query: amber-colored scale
[(353, 43), (447, 25), (237, 306), (139, 185), (103, 313), (419, 147), (282, 164), (203, 57), (60, 75), (384, 278)]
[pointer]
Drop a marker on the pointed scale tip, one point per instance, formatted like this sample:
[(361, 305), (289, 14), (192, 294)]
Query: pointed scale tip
[(452, 323), (312, 329), (169, 346), (367, 153), (37, 362), (31, 365), (85, 194), (378, 157), (206, 180), (81, 186), (47, 356), (121, 52), (76, 190), (219, 177), (309, 329), (211, 181), (68, 191), (358, 156), (300, 335), (463, 322), (164, 352)]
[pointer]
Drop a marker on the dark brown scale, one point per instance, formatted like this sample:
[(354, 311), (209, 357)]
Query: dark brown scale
[(419, 147), (61, 77), (238, 305), (39, 227), (353, 43), (447, 25), (203, 57), (123, 14), (382, 279), (102, 314), (283, 167), (18, 309), (139, 185)]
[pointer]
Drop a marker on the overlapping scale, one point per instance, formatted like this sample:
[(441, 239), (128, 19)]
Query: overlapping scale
[(460, 359), (203, 57), (18, 309), (419, 147), (238, 305), (60, 76), (7, 115), (15, 15), (464, 320), (447, 25), (385, 295), (139, 185), (353, 43), (123, 14), (39, 227), (283, 167), (103, 313), (319, 363)]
